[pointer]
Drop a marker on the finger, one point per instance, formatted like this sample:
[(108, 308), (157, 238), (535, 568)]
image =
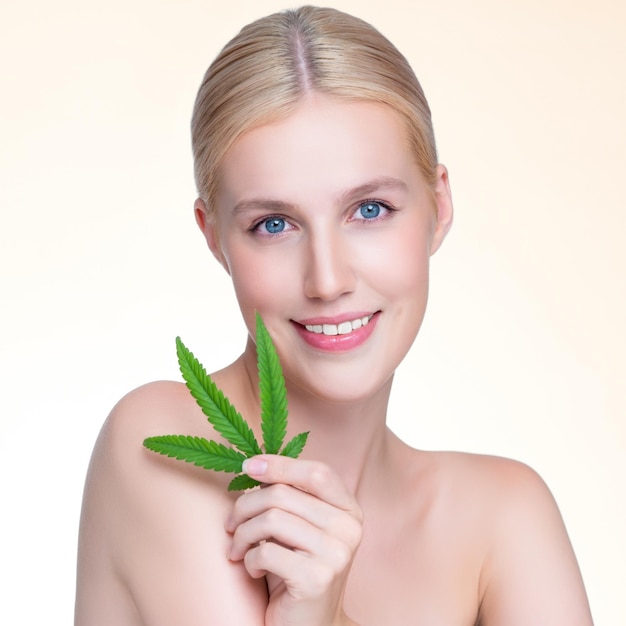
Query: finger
[(310, 476), (278, 526), (305, 577), (289, 499), (272, 558)]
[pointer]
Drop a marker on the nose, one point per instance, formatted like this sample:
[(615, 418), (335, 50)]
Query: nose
[(329, 270)]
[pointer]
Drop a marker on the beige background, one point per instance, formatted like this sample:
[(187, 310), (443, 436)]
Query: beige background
[(523, 349)]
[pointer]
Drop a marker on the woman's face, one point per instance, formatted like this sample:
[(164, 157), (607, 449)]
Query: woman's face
[(326, 227)]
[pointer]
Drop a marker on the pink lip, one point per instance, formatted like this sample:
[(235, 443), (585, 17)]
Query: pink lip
[(336, 343)]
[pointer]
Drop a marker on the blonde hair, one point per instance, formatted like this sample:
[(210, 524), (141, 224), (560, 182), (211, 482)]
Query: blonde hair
[(262, 74)]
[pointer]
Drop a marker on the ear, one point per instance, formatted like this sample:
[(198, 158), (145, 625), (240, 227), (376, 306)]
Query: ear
[(206, 223), (443, 203)]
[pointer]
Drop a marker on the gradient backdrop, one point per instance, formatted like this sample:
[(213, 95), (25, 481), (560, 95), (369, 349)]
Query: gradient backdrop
[(522, 353)]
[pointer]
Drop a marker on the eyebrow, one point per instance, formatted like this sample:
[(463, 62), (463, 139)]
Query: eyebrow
[(383, 183), (350, 195)]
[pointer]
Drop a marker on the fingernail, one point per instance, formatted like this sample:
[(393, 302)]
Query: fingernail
[(254, 467)]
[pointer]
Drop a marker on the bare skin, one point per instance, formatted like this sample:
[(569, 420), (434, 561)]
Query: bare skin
[(447, 538), (322, 216)]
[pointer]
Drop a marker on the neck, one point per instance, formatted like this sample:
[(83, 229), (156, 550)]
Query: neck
[(351, 437)]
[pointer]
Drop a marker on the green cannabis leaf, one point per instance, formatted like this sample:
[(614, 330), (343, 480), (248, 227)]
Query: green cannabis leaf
[(273, 394), (228, 421), (219, 411)]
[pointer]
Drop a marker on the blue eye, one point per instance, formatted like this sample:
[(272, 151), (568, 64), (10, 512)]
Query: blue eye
[(369, 210), (273, 225)]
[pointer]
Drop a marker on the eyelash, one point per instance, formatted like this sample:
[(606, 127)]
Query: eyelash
[(255, 228), (387, 210)]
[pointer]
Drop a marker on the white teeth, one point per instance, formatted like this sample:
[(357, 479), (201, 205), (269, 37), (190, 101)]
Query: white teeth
[(344, 327), (338, 329)]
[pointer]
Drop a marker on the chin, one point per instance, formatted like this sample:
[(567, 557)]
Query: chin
[(340, 385)]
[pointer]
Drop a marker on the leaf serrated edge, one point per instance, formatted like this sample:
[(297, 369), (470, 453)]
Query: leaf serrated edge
[(242, 482), (272, 390), (197, 450), (219, 411), (232, 426), (294, 447)]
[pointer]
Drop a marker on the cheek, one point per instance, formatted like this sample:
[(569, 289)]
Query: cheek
[(405, 285), (400, 263), (260, 281), (406, 289)]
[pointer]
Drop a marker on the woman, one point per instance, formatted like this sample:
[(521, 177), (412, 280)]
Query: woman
[(321, 196)]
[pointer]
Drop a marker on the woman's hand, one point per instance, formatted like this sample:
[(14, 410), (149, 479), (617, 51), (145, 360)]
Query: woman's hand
[(302, 531)]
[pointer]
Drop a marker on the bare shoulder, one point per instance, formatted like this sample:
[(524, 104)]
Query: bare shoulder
[(162, 407), (489, 485), (152, 533), (528, 571), (494, 479)]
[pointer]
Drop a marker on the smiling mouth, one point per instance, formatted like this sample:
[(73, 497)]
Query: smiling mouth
[(339, 329)]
